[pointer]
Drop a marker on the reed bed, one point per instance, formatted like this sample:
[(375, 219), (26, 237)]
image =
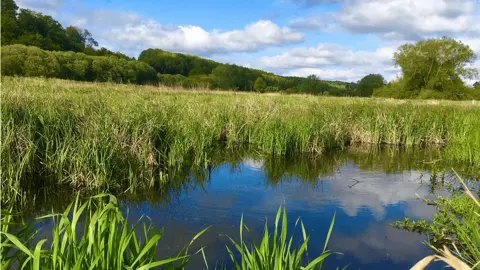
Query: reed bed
[(100, 135)]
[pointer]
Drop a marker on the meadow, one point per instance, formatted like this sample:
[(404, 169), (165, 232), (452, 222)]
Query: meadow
[(102, 135)]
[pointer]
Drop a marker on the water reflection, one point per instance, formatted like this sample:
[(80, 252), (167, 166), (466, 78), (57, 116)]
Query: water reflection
[(367, 188)]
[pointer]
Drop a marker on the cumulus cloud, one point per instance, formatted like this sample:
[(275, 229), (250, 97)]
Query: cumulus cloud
[(328, 55), (49, 7), (132, 33), (409, 20), (329, 61), (400, 19)]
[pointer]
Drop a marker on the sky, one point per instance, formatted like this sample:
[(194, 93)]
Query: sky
[(333, 39)]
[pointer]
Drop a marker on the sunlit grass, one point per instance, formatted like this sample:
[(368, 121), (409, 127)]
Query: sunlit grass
[(106, 241), (276, 251), (92, 136)]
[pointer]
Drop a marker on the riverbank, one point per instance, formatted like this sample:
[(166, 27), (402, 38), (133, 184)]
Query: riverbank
[(91, 135)]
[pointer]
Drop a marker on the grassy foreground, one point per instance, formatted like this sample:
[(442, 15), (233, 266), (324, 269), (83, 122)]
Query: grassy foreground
[(102, 135)]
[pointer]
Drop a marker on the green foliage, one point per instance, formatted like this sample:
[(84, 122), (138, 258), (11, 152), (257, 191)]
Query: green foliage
[(312, 84), (234, 77), (176, 63), (476, 85), (276, 251), (20, 60), (436, 64), (107, 241), (111, 136), (456, 224), (9, 25), (368, 84), (229, 77), (259, 84)]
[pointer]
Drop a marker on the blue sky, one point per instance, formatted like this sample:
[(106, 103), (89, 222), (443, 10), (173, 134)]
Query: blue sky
[(334, 39)]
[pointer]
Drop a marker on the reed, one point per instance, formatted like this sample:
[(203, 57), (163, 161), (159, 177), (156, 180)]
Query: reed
[(276, 251), (102, 136), (107, 241)]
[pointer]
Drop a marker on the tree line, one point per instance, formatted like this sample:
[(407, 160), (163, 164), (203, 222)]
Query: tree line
[(38, 45), (21, 60)]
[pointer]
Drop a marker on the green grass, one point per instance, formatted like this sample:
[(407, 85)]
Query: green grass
[(107, 241), (95, 235), (100, 135), (276, 251)]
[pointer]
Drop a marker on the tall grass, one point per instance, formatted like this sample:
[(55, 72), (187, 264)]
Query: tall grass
[(94, 136), (277, 252), (95, 235), (107, 241)]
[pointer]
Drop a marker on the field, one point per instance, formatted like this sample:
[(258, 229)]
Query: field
[(100, 135)]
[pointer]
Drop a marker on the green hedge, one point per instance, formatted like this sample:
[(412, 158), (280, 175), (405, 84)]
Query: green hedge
[(21, 60)]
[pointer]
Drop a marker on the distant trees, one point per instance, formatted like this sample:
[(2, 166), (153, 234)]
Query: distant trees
[(367, 84), (259, 84), (23, 60), (476, 85), (175, 63), (435, 64)]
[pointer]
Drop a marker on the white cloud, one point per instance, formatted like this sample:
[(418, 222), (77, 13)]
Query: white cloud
[(397, 19), (49, 7), (409, 19), (329, 61), (328, 55), (345, 75), (130, 32)]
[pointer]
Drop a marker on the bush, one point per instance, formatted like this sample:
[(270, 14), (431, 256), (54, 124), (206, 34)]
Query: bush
[(394, 89)]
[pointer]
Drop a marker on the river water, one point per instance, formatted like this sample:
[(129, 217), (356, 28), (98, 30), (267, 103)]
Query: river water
[(367, 190)]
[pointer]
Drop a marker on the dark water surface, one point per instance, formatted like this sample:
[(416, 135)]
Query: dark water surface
[(368, 190)]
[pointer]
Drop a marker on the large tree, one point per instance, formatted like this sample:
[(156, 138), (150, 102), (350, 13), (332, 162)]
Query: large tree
[(369, 83), (436, 64), (476, 85)]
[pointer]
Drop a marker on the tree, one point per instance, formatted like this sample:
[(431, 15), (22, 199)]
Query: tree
[(9, 22), (476, 85), (369, 83), (436, 64), (75, 38), (259, 84)]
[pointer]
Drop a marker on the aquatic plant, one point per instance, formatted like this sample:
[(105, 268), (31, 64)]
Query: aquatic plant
[(107, 241), (277, 252), (454, 233)]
